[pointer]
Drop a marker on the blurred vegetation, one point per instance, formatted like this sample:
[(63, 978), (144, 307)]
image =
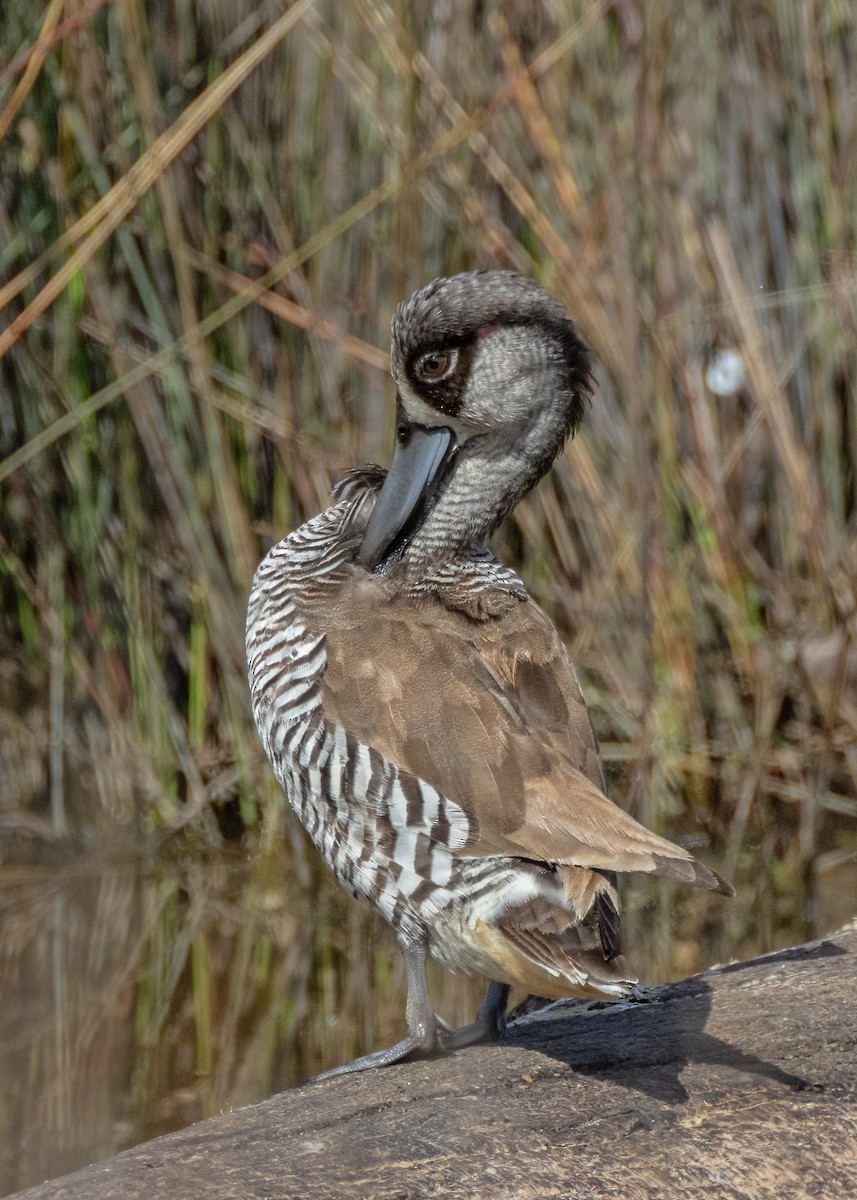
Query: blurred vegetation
[(207, 215)]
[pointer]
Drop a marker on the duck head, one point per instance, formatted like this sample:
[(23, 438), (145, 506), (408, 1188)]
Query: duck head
[(492, 378)]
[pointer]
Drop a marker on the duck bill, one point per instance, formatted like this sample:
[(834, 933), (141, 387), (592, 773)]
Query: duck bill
[(415, 473)]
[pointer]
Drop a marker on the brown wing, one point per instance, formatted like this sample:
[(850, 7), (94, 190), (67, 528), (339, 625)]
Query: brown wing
[(489, 713)]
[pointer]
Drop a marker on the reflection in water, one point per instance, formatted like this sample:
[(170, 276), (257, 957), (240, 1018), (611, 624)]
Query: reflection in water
[(138, 997)]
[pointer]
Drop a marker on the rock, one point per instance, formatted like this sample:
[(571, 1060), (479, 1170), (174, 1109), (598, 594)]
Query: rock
[(740, 1082)]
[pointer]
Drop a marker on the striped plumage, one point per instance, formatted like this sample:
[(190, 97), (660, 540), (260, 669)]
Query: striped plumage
[(419, 709), (382, 832)]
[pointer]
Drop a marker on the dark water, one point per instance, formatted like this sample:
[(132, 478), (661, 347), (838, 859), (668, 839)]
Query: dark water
[(140, 996)]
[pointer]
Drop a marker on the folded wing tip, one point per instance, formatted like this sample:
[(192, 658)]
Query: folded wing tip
[(712, 880), (723, 886), (692, 871)]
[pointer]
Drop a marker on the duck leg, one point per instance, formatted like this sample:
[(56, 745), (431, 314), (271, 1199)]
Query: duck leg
[(422, 1039), (490, 1022)]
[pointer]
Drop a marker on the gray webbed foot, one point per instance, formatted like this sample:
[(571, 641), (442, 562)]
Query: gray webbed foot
[(490, 1023), (427, 1034), (417, 1044)]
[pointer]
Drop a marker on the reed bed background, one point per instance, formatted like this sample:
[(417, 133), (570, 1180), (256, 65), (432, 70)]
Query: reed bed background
[(207, 215)]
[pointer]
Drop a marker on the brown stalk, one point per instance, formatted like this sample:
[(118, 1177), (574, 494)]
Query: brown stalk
[(96, 226), (241, 550), (34, 64), (809, 514), (538, 125), (61, 31), (256, 416), (288, 311)]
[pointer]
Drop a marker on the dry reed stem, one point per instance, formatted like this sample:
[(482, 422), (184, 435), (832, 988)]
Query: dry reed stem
[(537, 122), (266, 420), (35, 59), (105, 217), (69, 25), (294, 314), (769, 396)]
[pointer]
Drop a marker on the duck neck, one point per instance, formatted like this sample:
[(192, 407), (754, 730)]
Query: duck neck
[(489, 478)]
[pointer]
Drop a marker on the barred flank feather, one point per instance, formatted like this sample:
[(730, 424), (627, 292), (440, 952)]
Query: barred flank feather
[(385, 834)]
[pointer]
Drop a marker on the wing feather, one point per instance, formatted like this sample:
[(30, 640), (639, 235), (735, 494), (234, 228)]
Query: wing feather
[(490, 713)]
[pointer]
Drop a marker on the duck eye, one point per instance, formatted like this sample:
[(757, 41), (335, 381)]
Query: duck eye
[(434, 365)]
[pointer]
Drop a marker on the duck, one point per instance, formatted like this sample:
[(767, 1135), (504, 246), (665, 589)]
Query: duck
[(419, 708)]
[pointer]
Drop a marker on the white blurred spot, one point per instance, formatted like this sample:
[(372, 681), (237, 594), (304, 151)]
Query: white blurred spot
[(726, 373)]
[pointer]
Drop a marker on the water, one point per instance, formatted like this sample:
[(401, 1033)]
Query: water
[(139, 996)]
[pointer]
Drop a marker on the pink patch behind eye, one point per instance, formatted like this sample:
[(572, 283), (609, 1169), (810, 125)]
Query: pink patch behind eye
[(485, 331)]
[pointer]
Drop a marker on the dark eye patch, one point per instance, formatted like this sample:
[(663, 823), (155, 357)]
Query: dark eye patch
[(439, 374)]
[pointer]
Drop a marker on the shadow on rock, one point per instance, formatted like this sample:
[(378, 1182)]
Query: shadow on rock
[(647, 1044)]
